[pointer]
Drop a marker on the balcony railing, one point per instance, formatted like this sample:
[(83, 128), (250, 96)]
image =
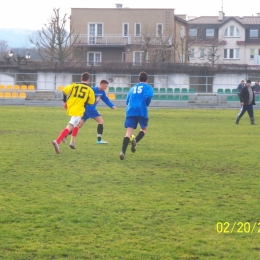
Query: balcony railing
[(117, 40)]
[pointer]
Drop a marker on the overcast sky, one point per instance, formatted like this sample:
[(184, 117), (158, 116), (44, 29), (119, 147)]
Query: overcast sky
[(28, 14)]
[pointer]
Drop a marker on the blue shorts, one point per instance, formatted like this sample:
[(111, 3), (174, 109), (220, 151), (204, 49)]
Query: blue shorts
[(90, 114), (132, 121)]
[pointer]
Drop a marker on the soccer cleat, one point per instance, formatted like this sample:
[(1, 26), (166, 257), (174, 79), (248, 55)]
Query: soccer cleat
[(133, 147), (56, 146), (72, 145), (122, 156), (102, 142)]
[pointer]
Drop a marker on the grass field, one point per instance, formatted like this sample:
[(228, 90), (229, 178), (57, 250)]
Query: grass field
[(191, 191)]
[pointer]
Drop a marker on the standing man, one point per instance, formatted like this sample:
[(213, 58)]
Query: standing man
[(138, 99), (75, 97), (247, 99), (91, 111)]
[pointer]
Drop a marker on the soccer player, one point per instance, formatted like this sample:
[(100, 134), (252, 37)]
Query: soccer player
[(91, 110), (138, 99), (75, 97)]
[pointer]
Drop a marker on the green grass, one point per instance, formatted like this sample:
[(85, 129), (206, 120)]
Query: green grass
[(193, 169)]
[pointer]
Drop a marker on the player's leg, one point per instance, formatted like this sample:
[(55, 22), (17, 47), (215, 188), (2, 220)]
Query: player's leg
[(144, 125), (75, 122), (141, 134), (62, 135), (130, 125), (80, 124), (100, 128)]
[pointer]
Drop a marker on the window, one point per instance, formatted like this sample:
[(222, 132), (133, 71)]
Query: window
[(202, 53), (231, 53), (95, 30), (253, 33), (94, 58), (137, 29), (139, 57), (209, 32), (159, 29), (193, 32), (231, 31), (252, 53), (125, 29), (192, 53)]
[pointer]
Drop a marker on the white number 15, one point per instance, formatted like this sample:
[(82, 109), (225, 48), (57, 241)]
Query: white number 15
[(138, 89)]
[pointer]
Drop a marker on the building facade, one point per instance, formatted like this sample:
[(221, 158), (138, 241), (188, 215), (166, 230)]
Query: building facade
[(127, 35), (224, 40)]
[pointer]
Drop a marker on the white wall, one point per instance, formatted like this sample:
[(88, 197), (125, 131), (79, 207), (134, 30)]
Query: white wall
[(114, 80), (6, 79), (46, 81), (172, 81), (227, 81)]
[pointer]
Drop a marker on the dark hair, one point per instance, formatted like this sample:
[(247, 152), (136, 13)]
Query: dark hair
[(103, 81), (248, 81), (85, 76), (143, 76)]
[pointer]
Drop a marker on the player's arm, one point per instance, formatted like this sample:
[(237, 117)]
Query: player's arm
[(148, 96), (65, 101), (65, 92), (106, 100)]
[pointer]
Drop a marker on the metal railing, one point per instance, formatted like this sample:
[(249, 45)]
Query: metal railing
[(110, 39)]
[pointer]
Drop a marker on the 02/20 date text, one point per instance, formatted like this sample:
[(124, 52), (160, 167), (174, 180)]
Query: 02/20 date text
[(238, 227)]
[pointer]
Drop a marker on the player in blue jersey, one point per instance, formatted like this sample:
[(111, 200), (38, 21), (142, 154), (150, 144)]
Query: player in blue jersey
[(138, 99), (91, 110)]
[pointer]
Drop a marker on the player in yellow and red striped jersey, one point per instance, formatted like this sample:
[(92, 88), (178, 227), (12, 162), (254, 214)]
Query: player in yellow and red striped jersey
[(75, 96)]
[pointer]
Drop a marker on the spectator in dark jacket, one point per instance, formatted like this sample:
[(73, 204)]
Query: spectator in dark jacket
[(247, 99)]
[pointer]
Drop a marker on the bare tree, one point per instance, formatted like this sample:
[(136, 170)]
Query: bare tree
[(207, 49), (3, 48), (163, 51), (158, 47), (53, 43), (213, 54)]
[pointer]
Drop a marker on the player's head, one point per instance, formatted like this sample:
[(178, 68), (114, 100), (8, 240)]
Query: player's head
[(256, 82), (143, 77), (85, 77), (103, 84)]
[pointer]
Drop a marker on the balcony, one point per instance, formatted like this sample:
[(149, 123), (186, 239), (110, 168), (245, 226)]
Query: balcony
[(119, 40)]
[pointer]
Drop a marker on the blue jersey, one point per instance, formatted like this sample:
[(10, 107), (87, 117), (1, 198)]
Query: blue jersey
[(99, 94), (138, 99)]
